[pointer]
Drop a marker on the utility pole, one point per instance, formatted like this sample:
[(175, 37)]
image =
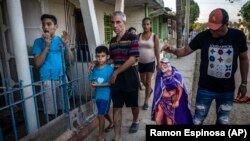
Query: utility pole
[(178, 23), (187, 15)]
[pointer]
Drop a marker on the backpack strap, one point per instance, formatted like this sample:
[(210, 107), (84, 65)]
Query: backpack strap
[(139, 35)]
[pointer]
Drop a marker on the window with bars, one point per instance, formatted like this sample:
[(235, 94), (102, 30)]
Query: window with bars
[(107, 28), (163, 27), (160, 28), (155, 25)]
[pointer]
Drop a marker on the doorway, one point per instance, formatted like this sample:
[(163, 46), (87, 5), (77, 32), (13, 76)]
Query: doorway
[(83, 54)]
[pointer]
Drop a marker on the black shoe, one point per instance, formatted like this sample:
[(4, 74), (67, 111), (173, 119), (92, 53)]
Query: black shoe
[(109, 128), (145, 106), (134, 128)]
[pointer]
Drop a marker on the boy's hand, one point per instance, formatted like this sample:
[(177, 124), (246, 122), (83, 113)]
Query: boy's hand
[(47, 38), (95, 84), (65, 39), (91, 66)]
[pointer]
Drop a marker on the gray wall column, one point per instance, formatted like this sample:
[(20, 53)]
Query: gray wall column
[(90, 23), (21, 58), (119, 5)]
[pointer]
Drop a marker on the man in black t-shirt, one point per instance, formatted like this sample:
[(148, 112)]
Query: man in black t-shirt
[(220, 49)]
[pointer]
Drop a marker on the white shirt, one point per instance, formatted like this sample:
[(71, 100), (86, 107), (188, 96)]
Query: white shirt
[(146, 49)]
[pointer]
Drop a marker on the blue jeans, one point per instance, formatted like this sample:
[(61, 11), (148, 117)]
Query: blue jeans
[(204, 98)]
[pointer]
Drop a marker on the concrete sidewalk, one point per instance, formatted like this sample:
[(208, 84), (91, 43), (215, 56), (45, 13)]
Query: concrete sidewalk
[(189, 68), (186, 66)]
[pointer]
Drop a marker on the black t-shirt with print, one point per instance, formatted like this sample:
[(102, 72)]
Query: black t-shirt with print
[(219, 59)]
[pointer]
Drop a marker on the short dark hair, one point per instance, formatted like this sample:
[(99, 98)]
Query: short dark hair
[(131, 28), (101, 49), (146, 18), (48, 16)]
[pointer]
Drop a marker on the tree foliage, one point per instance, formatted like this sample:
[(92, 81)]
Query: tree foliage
[(245, 11), (233, 24), (198, 26), (194, 11)]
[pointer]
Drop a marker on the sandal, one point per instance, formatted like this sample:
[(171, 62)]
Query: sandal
[(151, 91), (109, 128), (242, 99), (248, 100), (237, 99)]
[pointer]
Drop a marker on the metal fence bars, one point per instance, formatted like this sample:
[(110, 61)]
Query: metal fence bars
[(69, 99)]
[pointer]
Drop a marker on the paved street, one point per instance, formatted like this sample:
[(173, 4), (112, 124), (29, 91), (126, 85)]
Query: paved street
[(187, 66)]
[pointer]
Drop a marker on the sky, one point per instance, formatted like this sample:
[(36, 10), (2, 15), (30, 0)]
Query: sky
[(206, 6)]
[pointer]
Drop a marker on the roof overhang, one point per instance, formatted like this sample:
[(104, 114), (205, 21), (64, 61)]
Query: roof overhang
[(165, 12), (138, 3)]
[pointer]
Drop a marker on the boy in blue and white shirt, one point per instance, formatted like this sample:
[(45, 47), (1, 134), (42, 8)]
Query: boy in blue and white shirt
[(47, 51), (99, 78)]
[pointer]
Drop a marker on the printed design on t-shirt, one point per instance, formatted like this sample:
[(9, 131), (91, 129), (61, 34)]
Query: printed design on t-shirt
[(220, 60), (100, 80)]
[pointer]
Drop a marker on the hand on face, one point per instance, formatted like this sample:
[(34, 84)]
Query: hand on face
[(47, 38), (49, 28)]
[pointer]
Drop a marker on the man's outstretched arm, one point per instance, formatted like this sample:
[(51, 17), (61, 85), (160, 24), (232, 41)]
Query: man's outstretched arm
[(179, 52), (244, 67)]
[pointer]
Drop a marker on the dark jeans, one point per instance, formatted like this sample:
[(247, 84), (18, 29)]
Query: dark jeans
[(204, 98)]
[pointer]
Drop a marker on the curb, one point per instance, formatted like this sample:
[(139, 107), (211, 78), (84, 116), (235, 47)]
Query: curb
[(85, 131)]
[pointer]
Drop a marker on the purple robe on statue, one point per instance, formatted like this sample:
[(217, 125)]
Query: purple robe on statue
[(182, 114)]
